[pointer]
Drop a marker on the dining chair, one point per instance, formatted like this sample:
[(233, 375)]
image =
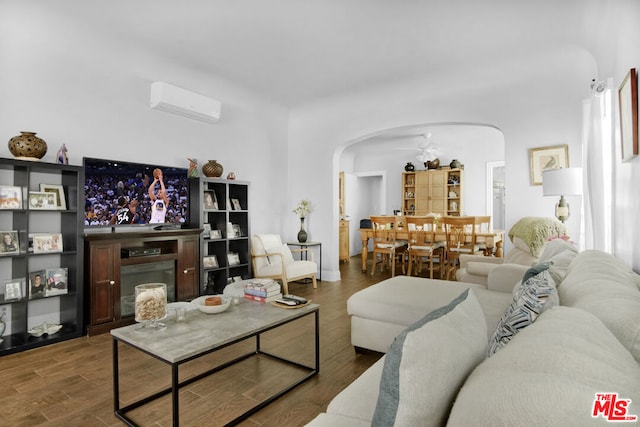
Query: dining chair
[(461, 239), (386, 244), (483, 225), (423, 246)]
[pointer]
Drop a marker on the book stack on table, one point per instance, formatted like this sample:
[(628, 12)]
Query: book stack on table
[(262, 290)]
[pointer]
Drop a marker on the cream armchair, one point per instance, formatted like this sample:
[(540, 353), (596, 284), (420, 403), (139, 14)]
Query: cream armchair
[(529, 236), (272, 259)]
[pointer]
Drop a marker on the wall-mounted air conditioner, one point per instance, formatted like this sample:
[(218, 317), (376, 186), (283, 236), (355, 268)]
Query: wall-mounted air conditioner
[(180, 101)]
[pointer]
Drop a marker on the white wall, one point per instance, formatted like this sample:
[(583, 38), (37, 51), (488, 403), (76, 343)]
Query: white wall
[(93, 95), (534, 101)]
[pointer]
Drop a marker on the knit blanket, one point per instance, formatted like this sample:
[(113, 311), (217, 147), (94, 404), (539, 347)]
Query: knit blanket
[(535, 231)]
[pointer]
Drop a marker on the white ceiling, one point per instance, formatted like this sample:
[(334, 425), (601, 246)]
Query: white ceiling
[(297, 51)]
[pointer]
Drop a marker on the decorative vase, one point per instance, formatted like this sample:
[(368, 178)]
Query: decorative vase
[(212, 169), (455, 164), (432, 164), (151, 306), (302, 235), (409, 167), (28, 146)]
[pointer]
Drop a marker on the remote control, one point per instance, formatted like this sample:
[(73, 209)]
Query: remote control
[(295, 298), (286, 302)]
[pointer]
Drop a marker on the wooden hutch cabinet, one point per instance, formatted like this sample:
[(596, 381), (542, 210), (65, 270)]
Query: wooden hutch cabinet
[(117, 262), (433, 191)]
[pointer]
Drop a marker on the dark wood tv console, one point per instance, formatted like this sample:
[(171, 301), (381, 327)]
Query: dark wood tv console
[(108, 253)]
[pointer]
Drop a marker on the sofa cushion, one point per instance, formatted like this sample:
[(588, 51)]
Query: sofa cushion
[(403, 300), (358, 400), (604, 286), (427, 364), (561, 254), (549, 375), (534, 295)]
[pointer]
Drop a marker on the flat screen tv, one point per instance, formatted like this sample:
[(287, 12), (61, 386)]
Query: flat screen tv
[(129, 194)]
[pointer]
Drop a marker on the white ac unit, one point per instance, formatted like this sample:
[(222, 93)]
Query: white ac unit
[(180, 101)]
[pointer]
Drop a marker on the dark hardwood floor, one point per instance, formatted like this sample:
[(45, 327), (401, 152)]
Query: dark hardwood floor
[(70, 383)]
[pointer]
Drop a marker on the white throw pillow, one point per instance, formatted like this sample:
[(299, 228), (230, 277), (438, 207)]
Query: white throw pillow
[(284, 250), (428, 362)]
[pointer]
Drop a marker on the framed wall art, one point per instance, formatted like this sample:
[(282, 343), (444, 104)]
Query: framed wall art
[(10, 197), (13, 289), (43, 200), (9, 243), (42, 243), (628, 103), (546, 158), (210, 200), (210, 261), (61, 202)]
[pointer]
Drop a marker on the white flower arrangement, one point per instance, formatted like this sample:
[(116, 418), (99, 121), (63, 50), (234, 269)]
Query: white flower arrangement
[(303, 208)]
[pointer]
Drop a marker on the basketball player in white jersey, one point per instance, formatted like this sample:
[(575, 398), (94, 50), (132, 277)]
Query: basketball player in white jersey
[(160, 202)]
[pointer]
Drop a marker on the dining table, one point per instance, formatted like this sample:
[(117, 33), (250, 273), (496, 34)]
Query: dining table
[(493, 240)]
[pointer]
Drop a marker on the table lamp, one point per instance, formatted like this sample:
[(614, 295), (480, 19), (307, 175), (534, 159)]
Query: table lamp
[(562, 182)]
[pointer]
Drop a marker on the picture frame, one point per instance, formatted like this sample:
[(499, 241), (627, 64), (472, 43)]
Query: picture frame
[(41, 200), (10, 197), (546, 158), (210, 201), (236, 204), (215, 234), (14, 289), (45, 242), (9, 243), (210, 261), (37, 284), (57, 280), (237, 230), (628, 104), (58, 190), (233, 258), (206, 230)]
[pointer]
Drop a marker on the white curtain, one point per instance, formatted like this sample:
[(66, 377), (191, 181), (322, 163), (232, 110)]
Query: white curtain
[(597, 164)]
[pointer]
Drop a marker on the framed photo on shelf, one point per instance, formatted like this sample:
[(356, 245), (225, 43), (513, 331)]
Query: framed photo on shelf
[(57, 279), (13, 289), (233, 258), (10, 243), (210, 200), (43, 243), (546, 158), (37, 284), (210, 261), (215, 234), (10, 197), (236, 204), (43, 200), (61, 201), (237, 231), (206, 231), (628, 102)]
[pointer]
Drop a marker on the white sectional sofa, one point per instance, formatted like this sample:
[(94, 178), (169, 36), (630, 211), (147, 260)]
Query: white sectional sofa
[(437, 372)]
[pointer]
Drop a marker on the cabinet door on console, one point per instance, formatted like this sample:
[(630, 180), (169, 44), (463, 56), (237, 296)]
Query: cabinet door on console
[(104, 282), (188, 274)]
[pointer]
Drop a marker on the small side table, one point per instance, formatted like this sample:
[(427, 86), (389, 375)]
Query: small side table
[(304, 255)]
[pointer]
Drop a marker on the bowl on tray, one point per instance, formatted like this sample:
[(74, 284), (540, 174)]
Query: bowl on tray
[(211, 309)]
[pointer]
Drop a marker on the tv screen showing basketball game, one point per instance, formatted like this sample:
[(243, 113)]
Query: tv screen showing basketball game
[(128, 194)]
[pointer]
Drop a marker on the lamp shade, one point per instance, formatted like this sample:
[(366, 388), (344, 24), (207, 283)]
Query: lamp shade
[(562, 182)]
